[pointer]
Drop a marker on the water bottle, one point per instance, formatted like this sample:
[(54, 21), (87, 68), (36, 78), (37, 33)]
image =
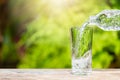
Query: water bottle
[(108, 20)]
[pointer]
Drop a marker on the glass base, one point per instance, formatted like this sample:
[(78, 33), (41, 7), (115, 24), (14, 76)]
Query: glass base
[(81, 72)]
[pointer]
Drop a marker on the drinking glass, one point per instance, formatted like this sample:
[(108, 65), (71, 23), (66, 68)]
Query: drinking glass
[(81, 39)]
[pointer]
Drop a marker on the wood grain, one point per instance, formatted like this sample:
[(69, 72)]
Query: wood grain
[(57, 74)]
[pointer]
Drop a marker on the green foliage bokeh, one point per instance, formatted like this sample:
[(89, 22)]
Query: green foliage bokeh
[(47, 36)]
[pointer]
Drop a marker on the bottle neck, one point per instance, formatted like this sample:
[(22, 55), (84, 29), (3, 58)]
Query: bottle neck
[(92, 20)]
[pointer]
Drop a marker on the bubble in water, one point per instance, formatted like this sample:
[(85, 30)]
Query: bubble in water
[(82, 64)]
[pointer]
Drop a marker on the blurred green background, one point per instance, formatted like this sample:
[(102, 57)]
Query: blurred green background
[(36, 33)]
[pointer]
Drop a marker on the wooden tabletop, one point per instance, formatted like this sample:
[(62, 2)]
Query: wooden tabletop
[(57, 74)]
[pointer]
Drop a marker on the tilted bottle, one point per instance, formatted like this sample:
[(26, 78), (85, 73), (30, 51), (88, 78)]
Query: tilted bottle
[(108, 20)]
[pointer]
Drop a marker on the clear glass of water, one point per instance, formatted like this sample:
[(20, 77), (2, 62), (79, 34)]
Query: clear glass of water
[(81, 39)]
